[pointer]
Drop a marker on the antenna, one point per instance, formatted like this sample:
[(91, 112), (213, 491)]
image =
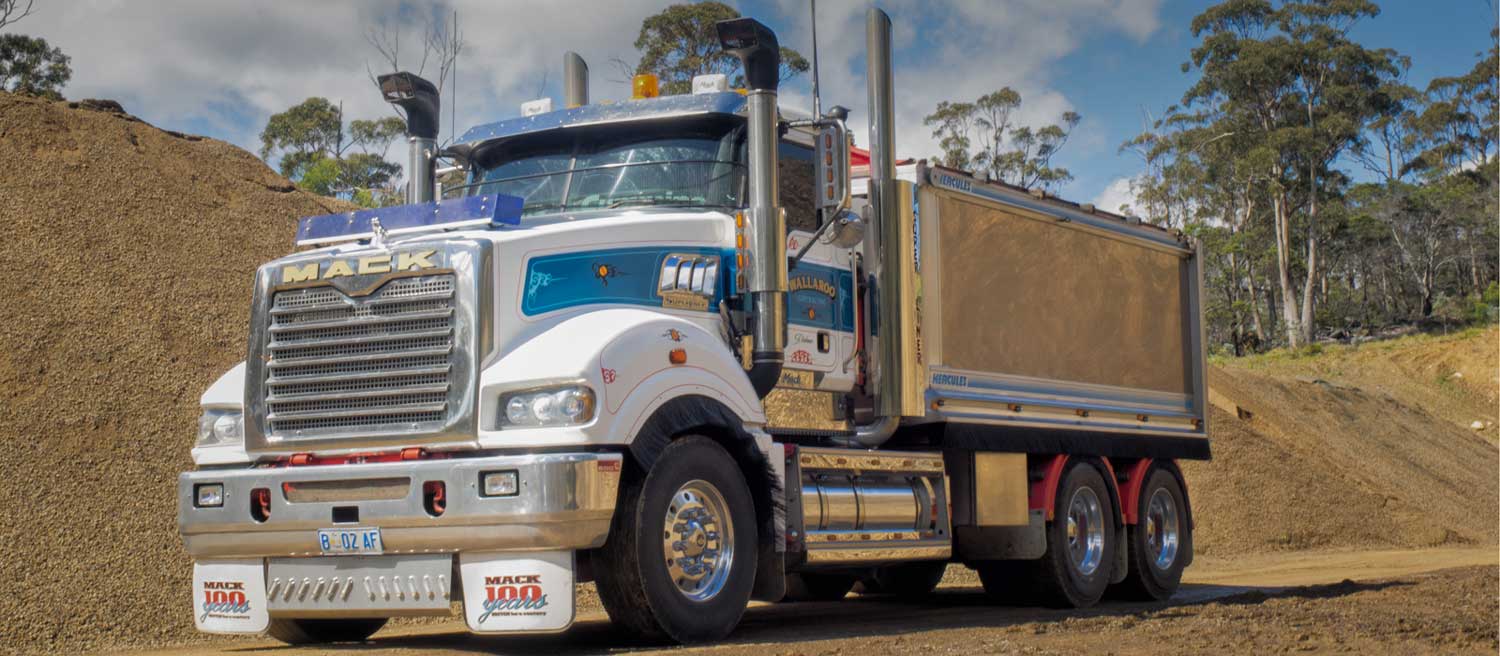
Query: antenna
[(453, 95), (817, 102)]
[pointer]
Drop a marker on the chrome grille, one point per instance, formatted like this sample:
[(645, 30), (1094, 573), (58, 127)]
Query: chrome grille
[(349, 365)]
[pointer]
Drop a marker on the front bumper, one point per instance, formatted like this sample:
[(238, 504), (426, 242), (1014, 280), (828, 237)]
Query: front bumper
[(565, 502)]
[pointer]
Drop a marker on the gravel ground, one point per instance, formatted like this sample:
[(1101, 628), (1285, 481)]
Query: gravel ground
[(1448, 612)]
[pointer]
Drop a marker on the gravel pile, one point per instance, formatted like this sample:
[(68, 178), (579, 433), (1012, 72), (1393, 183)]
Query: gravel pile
[(1312, 463), (128, 253)]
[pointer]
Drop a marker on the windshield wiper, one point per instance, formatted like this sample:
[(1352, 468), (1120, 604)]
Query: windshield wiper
[(647, 200)]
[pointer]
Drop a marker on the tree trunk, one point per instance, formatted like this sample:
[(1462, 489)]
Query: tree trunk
[(1255, 323), (1237, 317), (1309, 327), (1474, 266), (1284, 270)]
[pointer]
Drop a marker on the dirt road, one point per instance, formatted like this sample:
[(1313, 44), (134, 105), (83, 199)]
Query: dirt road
[(1436, 601)]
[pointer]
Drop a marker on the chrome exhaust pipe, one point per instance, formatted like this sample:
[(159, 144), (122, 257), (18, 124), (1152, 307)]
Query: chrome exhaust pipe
[(882, 190)]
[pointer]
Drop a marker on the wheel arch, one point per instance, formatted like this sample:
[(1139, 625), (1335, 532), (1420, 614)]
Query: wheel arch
[(1047, 472)]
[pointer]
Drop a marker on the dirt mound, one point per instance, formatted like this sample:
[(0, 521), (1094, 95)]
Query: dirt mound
[(129, 253), (1303, 462)]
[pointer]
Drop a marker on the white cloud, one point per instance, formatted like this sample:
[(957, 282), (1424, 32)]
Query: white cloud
[(226, 67), (960, 50), (1119, 194), (229, 65)]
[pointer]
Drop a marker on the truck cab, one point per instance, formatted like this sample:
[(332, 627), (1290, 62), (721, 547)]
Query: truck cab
[(677, 346)]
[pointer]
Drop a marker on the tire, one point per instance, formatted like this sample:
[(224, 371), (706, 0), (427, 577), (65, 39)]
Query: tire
[(905, 581), (1160, 543), (312, 632), (818, 587), (712, 538), (1071, 574)]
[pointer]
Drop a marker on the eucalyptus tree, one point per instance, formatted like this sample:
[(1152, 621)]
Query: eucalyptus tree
[(1289, 74)]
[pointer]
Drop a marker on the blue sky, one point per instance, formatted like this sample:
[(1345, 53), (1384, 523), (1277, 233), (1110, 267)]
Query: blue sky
[(221, 68)]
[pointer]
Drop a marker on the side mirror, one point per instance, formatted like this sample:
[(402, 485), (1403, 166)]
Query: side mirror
[(847, 230), (832, 169)]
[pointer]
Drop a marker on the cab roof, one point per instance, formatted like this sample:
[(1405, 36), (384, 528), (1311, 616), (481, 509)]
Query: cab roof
[(726, 103)]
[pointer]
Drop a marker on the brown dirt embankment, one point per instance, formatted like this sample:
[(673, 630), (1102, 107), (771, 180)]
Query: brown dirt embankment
[(128, 253), (1364, 448)]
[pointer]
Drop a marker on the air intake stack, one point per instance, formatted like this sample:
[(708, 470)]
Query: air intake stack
[(419, 99), (760, 55)]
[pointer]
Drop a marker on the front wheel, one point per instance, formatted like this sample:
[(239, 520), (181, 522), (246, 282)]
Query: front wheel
[(311, 632), (681, 555)]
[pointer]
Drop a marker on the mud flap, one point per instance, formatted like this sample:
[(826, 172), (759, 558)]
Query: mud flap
[(517, 592), (229, 596)]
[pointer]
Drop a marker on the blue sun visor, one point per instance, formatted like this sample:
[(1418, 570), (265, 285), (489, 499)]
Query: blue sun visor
[(466, 212)]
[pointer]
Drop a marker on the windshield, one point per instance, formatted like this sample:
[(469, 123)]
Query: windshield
[(676, 164)]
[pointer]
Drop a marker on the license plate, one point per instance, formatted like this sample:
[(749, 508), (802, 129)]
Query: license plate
[(338, 541)]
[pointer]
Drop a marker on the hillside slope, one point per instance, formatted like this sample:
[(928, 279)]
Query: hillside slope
[(1353, 448), (129, 253)]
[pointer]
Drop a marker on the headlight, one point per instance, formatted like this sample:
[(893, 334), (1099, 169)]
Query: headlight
[(556, 406), (220, 427)]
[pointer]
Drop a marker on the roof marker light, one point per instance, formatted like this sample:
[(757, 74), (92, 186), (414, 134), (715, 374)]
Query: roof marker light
[(644, 85)]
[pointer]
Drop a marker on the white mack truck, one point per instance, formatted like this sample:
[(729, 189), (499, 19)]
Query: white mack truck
[(680, 347)]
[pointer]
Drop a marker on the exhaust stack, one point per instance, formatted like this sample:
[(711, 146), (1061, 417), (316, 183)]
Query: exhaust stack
[(888, 374), (760, 55), (419, 99), (575, 81)]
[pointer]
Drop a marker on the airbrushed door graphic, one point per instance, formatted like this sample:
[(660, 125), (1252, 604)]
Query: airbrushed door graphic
[(820, 318)]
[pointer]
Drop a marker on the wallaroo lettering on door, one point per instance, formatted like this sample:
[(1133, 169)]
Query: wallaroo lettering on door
[(513, 595)]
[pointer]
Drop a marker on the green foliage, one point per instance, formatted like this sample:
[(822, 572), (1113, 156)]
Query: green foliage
[(1456, 128), (1283, 100), (29, 66), (303, 135), (1485, 308), (378, 134), (320, 176), (681, 42), (1017, 154), (314, 151)]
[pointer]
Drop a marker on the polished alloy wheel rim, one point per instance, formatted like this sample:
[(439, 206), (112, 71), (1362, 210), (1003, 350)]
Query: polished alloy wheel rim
[(1162, 529), (698, 540), (1085, 531)]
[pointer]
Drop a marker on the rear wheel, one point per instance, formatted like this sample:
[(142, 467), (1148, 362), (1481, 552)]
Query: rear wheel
[(905, 581), (309, 632), (1160, 543), (1075, 570), (680, 559)]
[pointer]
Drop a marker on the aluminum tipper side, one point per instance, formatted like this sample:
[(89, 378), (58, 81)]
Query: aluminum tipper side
[(1053, 325), (679, 348)]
